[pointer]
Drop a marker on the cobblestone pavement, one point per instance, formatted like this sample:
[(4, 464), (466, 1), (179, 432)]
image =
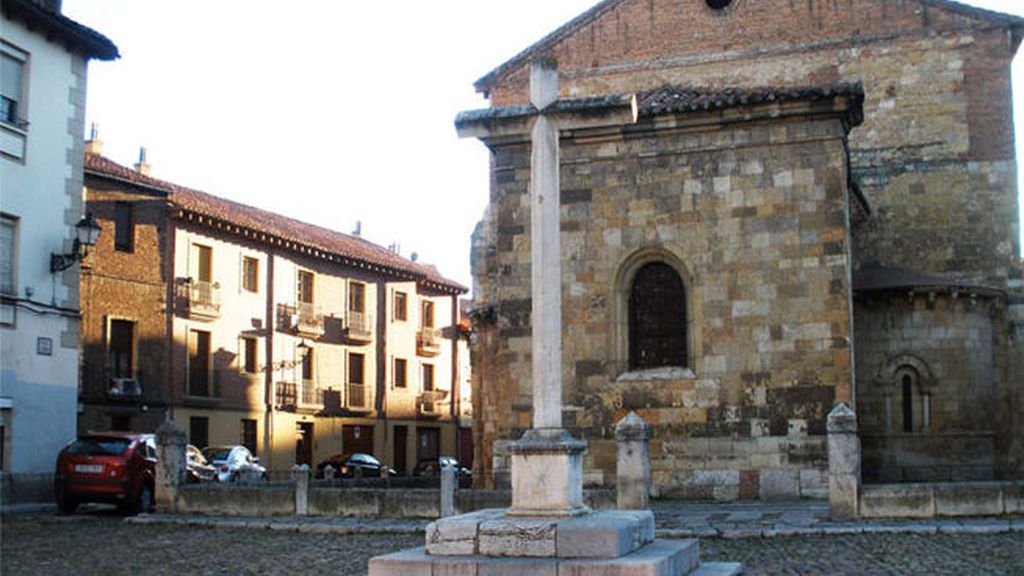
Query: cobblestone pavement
[(100, 542)]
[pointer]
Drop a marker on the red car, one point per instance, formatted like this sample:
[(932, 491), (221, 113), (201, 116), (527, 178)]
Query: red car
[(113, 467)]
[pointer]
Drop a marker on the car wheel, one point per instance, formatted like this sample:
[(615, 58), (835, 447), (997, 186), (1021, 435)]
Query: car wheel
[(145, 503), (65, 503)]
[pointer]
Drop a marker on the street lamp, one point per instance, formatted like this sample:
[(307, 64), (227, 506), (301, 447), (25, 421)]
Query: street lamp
[(87, 232)]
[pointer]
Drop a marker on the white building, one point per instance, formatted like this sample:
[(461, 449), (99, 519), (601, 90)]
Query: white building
[(42, 115)]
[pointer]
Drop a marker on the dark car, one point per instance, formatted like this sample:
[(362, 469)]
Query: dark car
[(197, 468), (112, 467), (352, 465), (432, 466)]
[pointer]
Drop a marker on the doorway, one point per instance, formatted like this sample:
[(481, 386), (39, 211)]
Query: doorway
[(357, 438), (304, 443), (428, 444), (400, 451)]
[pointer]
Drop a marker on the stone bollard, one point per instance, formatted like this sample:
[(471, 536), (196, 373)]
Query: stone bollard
[(448, 486), (171, 466), (633, 463), (843, 464), (300, 475)]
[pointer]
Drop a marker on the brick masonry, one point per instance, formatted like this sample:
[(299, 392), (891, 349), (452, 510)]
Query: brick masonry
[(754, 219)]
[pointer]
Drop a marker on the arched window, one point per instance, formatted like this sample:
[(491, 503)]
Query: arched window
[(907, 383), (657, 318)]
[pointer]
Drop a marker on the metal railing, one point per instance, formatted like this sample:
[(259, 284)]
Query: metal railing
[(359, 325), (358, 397), (286, 394), (431, 401), (428, 341), (204, 299), (309, 394)]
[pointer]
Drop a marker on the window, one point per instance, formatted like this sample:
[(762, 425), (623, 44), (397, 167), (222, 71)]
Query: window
[(250, 274), (8, 227), (657, 318), (203, 262), (120, 347), (199, 431), (428, 377), (12, 74), (356, 364), (400, 373), (249, 347), (356, 297), (199, 363), (908, 403), (427, 314), (247, 434), (401, 306), (306, 362), (124, 228), (305, 287)]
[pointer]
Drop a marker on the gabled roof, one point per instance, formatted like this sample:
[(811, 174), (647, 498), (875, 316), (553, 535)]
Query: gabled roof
[(78, 38), (275, 228), (487, 81)]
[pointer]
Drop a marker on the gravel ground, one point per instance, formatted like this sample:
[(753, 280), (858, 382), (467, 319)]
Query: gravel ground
[(100, 542)]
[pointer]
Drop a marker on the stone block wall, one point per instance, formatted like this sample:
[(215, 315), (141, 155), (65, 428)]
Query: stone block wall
[(938, 116), (753, 216), (132, 286)]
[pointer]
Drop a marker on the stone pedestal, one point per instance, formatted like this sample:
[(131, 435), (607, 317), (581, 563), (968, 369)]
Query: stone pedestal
[(843, 464), (633, 463), (170, 468), (547, 475)]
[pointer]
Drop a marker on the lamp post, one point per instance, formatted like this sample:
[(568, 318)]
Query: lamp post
[(87, 232)]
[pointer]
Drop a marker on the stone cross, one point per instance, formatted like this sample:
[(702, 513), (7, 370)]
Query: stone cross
[(547, 462), (545, 250)]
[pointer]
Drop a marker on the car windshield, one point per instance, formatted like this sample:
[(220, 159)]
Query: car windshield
[(196, 456), (99, 446), (212, 454)]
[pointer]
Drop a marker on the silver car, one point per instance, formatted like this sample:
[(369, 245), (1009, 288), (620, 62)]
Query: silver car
[(234, 463)]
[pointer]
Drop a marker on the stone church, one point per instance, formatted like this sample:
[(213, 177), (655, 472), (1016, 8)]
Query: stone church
[(817, 203)]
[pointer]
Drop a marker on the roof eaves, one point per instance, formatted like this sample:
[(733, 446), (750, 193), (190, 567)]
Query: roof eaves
[(78, 37), (976, 12), (487, 81)]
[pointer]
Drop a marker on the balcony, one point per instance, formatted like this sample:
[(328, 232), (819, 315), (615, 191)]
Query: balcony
[(202, 299), (428, 342), (124, 389), (309, 394), (431, 403), (303, 320), (359, 327), (286, 395), (359, 398)]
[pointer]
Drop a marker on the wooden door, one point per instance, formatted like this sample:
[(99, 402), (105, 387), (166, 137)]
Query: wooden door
[(401, 451)]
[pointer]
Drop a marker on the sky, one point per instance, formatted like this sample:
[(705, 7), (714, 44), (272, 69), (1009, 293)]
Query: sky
[(329, 111)]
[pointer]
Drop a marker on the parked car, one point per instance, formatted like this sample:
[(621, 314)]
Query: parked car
[(112, 467), (432, 466), (233, 462), (351, 465), (197, 468)]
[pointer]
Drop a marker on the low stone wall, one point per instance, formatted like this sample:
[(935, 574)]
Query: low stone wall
[(278, 499), (26, 488), (942, 499)]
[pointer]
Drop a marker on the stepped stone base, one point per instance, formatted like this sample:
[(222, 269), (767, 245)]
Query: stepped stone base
[(659, 558), (603, 534)]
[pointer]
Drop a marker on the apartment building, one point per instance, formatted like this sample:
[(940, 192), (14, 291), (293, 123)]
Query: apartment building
[(245, 326), (44, 61)]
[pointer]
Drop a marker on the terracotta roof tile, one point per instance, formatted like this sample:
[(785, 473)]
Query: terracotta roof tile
[(287, 229)]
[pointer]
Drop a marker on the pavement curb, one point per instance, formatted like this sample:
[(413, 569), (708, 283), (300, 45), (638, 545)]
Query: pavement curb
[(351, 526)]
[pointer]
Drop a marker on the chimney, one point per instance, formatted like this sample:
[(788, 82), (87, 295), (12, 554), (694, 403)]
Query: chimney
[(359, 228), (94, 145), (142, 167)]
